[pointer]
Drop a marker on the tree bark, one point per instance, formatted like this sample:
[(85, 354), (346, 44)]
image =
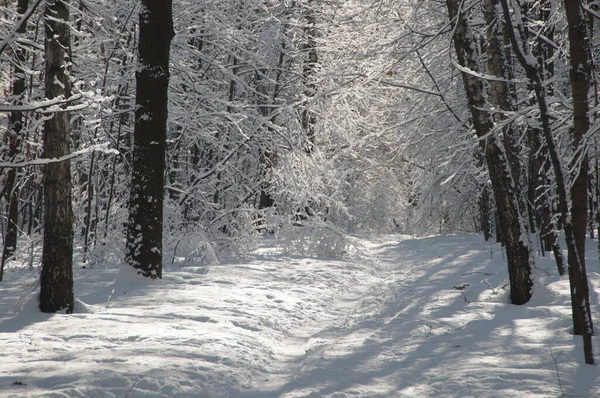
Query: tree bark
[(57, 267), (309, 119), (545, 55), (514, 232), (144, 228), (16, 121), (500, 97), (580, 75), (538, 149), (485, 212), (582, 319)]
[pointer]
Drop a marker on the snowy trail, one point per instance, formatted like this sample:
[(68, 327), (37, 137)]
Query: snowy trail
[(303, 363), (202, 331), (405, 318), (299, 354), (340, 355), (437, 323)]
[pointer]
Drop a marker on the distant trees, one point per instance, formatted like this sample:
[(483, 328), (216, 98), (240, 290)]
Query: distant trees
[(308, 72), (247, 92)]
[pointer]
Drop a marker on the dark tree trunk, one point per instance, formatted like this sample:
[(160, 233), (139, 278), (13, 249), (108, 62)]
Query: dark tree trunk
[(579, 74), (57, 264), (16, 121), (597, 195), (500, 96), (485, 213), (549, 237), (532, 185), (544, 54), (144, 228), (582, 318), (511, 223), (309, 118), (88, 226), (484, 200)]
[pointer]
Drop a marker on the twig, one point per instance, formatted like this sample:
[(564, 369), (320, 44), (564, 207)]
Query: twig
[(131, 388), (469, 384), (409, 87), (490, 285), (23, 21), (555, 358), (478, 272)]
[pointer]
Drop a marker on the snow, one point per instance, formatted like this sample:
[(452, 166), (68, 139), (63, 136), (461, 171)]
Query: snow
[(403, 317)]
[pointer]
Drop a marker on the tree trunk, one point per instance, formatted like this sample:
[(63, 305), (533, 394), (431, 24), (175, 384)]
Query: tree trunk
[(512, 224), (582, 319), (268, 156), (57, 266), (87, 221), (485, 212), (500, 97), (484, 200), (144, 228), (579, 74), (309, 118), (549, 236), (16, 121)]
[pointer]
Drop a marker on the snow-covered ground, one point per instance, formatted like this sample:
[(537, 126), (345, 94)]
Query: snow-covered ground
[(402, 317)]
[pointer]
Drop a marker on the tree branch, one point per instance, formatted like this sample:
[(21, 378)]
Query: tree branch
[(41, 105), (409, 87), (22, 22), (43, 161)]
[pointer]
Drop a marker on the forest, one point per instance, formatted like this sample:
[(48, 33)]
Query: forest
[(154, 135)]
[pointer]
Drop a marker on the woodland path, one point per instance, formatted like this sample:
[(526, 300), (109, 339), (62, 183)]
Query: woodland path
[(400, 317), (432, 321)]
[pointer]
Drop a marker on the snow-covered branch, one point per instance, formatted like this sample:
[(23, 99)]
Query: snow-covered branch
[(19, 26), (43, 106), (43, 161), (392, 83)]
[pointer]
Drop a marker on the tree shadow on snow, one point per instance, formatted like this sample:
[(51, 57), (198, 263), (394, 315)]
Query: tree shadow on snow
[(27, 313), (444, 328)]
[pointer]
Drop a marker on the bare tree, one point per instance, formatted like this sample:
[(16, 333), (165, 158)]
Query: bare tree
[(512, 222), (574, 225)]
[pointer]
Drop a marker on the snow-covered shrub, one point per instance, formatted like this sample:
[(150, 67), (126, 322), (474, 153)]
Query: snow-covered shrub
[(211, 239), (312, 238)]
